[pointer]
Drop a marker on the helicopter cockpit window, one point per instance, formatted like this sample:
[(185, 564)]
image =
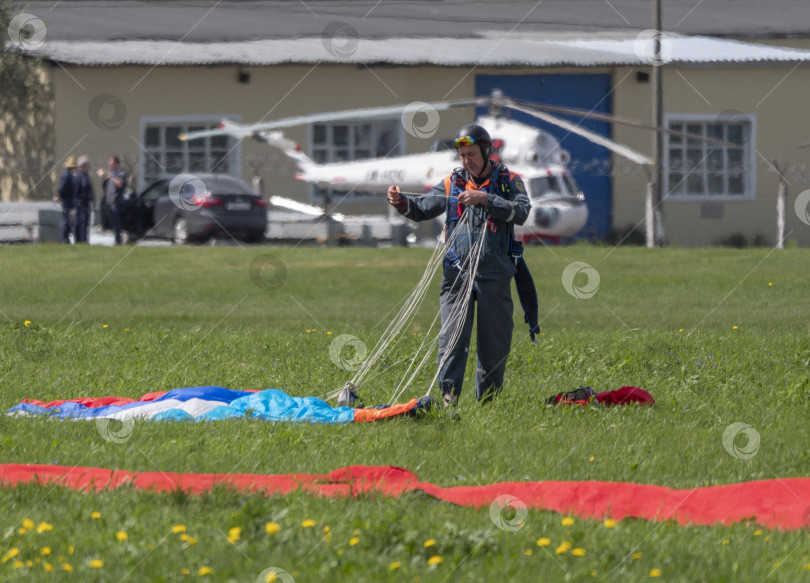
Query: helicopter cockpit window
[(571, 185), (544, 185)]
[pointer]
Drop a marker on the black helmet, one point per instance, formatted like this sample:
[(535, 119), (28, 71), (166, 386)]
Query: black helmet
[(474, 134)]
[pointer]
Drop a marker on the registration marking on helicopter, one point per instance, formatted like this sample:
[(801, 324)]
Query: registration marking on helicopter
[(392, 176)]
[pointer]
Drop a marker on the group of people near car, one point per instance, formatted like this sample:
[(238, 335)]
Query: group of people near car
[(77, 197)]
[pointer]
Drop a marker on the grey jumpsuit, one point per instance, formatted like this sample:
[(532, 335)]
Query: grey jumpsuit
[(492, 290)]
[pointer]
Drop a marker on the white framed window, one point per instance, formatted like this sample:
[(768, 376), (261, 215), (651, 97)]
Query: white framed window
[(702, 171), (348, 141), (161, 151)]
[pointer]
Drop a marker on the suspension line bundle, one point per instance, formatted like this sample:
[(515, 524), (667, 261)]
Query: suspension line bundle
[(453, 325)]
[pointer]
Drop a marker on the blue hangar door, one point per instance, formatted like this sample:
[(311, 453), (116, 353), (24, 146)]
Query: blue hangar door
[(590, 164)]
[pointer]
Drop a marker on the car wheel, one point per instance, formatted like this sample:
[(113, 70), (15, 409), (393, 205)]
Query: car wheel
[(255, 237), (180, 232)]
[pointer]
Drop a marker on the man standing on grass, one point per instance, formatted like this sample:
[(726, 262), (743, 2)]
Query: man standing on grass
[(85, 199), (114, 183), (495, 200)]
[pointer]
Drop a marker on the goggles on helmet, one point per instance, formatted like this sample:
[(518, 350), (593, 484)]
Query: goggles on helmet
[(468, 141)]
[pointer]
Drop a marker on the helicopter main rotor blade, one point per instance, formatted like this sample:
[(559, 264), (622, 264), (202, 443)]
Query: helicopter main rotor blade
[(587, 134), (370, 113), (624, 121)]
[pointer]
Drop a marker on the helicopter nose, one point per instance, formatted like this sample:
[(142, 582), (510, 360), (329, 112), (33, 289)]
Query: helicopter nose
[(545, 217)]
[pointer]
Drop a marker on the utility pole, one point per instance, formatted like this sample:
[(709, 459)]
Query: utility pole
[(654, 210)]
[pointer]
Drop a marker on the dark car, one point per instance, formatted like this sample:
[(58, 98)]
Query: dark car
[(194, 207)]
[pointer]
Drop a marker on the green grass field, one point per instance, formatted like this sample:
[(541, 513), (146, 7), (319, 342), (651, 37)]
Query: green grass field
[(718, 336)]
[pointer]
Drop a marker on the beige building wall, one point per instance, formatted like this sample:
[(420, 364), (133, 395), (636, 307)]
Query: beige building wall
[(98, 111), (774, 95), (128, 94)]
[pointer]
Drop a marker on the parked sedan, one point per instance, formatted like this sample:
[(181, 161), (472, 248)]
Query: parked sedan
[(194, 207)]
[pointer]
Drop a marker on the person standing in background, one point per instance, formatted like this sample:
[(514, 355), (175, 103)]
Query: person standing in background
[(114, 182), (85, 199), (66, 196)]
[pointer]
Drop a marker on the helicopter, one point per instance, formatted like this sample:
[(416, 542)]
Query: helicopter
[(559, 207)]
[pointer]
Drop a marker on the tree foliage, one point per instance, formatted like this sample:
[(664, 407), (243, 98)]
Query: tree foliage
[(26, 113)]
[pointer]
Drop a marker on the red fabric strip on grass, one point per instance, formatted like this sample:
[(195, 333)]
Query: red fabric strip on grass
[(779, 504)]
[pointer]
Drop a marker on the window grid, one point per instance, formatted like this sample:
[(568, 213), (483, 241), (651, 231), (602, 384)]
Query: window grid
[(346, 142), (164, 152), (698, 170)]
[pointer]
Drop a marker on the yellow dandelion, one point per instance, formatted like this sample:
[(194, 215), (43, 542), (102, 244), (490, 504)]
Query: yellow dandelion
[(44, 527), (428, 543), (308, 523), (354, 540), (17, 565), (726, 541), (308, 331), (205, 571), (47, 566), (121, 536), (590, 459), (770, 284), (734, 327), (191, 540), (435, 560), (567, 521), (806, 567), (71, 549), (178, 528), (543, 542), (104, 326), (328, 333), (126, 329), (563, 548), (21, 530), (28, 524), (594, 573), (272, 528), (234, 534), (636, 556), (270, 578), (578, 552), (395, 565), (527, 552), (45, 551), (326, 529), (655, 572), (95, 515), (757, 532), (96, 563), (27, 323), (67, 567), (327, 536), (184, 537), (185, 571), (680, 330), (609, 523), (767, 538)]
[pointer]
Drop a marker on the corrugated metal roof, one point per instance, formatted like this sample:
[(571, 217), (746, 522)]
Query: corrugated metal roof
[(218, 20), (497, 49)]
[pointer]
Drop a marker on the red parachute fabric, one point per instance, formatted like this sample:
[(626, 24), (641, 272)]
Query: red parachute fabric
[(585, 396), (779, 504)]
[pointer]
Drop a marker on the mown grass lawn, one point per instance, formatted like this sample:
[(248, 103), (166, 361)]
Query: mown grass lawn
[(718, 336)]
